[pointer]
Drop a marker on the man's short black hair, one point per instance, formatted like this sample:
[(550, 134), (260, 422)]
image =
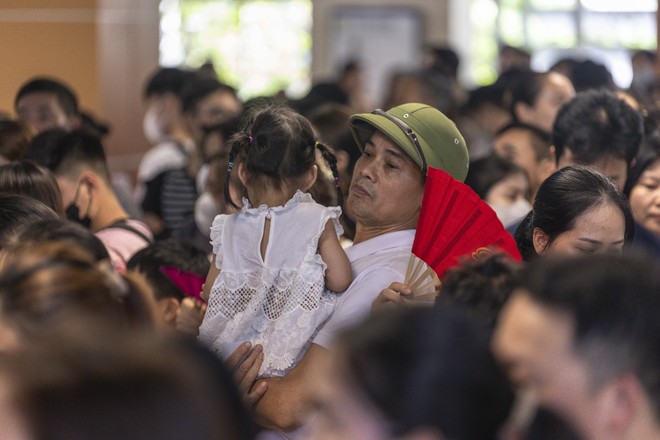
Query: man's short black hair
[(195, 91), (65, 96), (595, 125), (178, 254), (541, 139), (75, 149), (168, 80), (614, 303)]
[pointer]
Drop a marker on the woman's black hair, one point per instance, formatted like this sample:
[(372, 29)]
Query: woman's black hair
[(562, 198), (648, 154), (277, 143), (484, 173)]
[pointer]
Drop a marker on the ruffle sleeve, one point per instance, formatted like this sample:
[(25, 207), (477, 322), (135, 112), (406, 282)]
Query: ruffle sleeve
[(217, 229), (329, 213)]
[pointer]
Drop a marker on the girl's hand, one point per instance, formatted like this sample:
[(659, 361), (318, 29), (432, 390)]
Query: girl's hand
[(392, 296)]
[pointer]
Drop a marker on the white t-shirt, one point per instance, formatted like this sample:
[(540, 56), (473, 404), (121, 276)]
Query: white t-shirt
[(376, 263)]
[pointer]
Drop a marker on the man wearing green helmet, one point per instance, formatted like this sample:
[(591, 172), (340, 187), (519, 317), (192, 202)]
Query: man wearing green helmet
[(384, 200)]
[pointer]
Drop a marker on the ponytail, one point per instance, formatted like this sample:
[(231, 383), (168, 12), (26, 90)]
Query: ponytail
[(238, 142), (331, 160), (524, 238)]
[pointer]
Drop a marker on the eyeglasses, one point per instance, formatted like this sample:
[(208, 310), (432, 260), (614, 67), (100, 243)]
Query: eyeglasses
[(410, 133)]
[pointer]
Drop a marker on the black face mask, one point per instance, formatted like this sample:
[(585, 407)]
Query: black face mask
[(73, 213)]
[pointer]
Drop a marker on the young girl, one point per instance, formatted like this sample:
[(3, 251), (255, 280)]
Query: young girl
[(276, 259)]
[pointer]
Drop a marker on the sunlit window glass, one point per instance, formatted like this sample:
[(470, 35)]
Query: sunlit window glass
[(259, 46)]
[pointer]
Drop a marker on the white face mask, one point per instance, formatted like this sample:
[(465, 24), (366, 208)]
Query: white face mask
[(205, 211), (509, 214), (151, 126)]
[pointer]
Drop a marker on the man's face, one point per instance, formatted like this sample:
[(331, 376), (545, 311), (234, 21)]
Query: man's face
[(68, 189), (555, 92), (387, 187), (613, 168), (535, 344), (218, 107), (42, 111), (515, 145), (645, 198)]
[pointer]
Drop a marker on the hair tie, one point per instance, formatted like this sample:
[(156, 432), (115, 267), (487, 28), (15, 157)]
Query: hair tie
[(230, 165), (316, 144), (249, 140), (337, 182)]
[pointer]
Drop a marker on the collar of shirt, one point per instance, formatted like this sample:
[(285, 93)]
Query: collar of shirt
[(380, 243)]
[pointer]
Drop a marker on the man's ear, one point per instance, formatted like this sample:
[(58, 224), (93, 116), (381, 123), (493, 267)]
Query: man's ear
[(540, 241), (553, 154), (547, 168), (523, 112), (169, 307), (619, 402), (88, 181)]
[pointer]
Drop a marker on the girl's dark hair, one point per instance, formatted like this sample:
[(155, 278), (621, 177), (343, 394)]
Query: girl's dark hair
[(562, 198), (277, 143), (27, 178), (648, 154), (486, 172)]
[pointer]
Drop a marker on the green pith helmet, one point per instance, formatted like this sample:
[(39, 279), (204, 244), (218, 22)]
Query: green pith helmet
[(442, 145)]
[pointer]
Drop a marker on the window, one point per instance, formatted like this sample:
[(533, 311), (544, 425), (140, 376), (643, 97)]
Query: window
[(258, 46), (604, 30)]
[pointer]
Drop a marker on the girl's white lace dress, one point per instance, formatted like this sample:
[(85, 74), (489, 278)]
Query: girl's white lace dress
[(278, 301)]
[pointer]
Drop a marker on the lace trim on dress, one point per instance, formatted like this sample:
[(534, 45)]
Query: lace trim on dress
[(280, 307), (297, 198)]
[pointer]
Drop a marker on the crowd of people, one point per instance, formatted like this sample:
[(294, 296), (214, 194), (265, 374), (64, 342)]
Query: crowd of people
[(253, 283)]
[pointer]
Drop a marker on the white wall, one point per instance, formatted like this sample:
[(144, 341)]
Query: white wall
[(389, 46)]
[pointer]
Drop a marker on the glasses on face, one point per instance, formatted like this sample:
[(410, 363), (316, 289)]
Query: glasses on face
[(409, 132)]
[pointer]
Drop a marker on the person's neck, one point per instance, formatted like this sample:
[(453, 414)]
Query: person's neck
[(109, 211), (644, 425), (364, 233), (180, 135), (270, 196)]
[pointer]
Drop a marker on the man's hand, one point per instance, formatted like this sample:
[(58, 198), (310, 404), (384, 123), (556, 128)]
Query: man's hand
[(391, 297), (244, 363)]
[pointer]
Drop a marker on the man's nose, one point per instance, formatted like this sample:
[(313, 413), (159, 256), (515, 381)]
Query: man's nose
[(369, 171)]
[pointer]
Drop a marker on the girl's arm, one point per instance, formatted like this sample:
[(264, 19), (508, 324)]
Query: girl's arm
[(210, 279), (338, 275)]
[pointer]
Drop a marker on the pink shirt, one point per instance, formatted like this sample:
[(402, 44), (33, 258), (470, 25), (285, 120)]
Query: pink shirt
[(122, 243)]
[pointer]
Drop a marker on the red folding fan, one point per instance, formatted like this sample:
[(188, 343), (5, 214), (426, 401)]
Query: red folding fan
[(454, 224)]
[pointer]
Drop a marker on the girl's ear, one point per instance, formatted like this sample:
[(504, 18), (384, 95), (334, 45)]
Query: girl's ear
[(310, 177), (243, 174), (540, 240)]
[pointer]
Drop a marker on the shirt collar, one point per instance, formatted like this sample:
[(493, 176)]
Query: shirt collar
[(379, 243)]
